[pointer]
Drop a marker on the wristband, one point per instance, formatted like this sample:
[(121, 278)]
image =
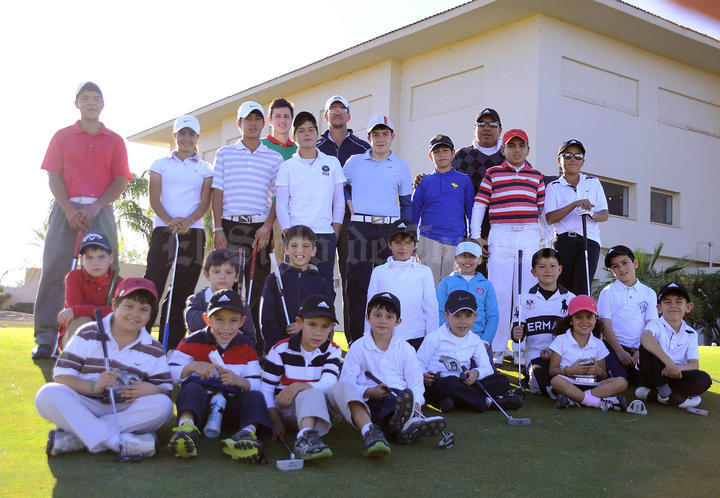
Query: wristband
[(92, 386), (217, 229)]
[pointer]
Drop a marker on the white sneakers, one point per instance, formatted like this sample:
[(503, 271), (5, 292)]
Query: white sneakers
[(60, 441), (139, 444), (642, 393)]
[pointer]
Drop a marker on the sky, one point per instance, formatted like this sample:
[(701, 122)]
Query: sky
[(155, 60)]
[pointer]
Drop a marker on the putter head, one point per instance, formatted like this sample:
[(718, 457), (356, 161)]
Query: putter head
[(698, 411), (291, 464), (447, 442), (518, 421), (125, 458), (637, 407)]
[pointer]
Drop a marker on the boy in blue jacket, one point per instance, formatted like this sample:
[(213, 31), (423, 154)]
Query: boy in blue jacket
[(299, 280)]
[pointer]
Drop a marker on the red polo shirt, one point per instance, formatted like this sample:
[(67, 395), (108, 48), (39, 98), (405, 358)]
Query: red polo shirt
[(87, 163)]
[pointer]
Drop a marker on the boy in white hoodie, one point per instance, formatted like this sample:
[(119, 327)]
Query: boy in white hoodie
[(390, 359), (412, 283)]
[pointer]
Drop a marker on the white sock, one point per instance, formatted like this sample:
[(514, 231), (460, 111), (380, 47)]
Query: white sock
[(112, 443), (365, 428), (187, 419), (250, 427), (302, 431)]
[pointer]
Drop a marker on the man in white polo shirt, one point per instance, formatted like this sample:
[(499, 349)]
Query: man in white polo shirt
[(309, 190), (378, 194), (243, 180)]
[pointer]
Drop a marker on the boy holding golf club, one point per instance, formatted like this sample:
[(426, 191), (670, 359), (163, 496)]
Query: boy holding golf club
[(139, 380), (669, 360), (301, 387), (454, 361), (299, 280), (88, 288), (216, 360), (396, 401)]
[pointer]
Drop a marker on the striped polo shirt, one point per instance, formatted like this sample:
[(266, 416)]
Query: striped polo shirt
[(83, 357), (245, 178), (287, 362), (514, 196)]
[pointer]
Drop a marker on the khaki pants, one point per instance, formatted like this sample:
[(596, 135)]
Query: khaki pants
[(439, 257)]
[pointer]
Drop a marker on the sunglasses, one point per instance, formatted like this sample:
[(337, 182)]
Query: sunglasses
[(484, 124), (569, 155)]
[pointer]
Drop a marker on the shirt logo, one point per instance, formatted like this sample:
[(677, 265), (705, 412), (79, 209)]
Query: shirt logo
[(323, 304), (564, 308), (326, 170), (223, 298), (643, 306), (479, 291), (454, 185), (530, 304)]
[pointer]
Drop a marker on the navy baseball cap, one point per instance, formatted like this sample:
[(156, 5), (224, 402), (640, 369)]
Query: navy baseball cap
[(441, 140), (618, 251), (405, 227), (387, 298), (488, 112), (674, 288), (316, 305), (95, 240), (568, 143), (226, 299), (459, 300)]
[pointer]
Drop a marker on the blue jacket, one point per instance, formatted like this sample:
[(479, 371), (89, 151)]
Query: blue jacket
[(487, 320), (350, 146), (297, 285)]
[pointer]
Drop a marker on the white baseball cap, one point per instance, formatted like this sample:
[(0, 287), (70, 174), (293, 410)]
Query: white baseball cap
[(469, 247), (248, 107), (187, 122), (379, 120), (336, 98)]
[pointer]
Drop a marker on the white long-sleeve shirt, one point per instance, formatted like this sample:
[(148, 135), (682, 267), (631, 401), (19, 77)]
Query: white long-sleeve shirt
[(442, 342), (413, 284)]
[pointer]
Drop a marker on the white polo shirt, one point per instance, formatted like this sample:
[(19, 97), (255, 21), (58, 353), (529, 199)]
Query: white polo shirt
[(311, 185), (628, 309), (570, 351), (182, 183), (680, 346), (560, 193), (442, 342)]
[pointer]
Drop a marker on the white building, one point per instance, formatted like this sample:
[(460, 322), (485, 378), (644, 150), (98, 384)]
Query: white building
[(642, 94)]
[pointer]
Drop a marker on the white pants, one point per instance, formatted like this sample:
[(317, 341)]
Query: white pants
[(504, 242), (439, 257), (92, 421)]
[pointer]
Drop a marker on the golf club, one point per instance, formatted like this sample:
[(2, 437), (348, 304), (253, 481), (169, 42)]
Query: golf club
[(715, 380), (291, 464), (121, 456), (252, 274), (276, 271), (585, 247), (447, 441), (166, 329), (241, 279), (520, 319), (76, 254), (453, 365)]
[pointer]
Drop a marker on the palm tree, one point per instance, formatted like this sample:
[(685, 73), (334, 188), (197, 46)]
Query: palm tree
[(129, 211)]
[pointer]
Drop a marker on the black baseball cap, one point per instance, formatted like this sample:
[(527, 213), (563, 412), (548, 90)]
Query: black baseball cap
[(488, 112), (95, 240), (388, 298), (405, 227), (316, 305), (674, 288), (460, 300), (618, 251), (226, 299), (568, 143), (441, 140)]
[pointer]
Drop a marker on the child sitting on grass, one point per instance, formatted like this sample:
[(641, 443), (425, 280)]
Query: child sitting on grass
[(577, 362), (239, 379), (301, 387), (90, 287), (450, 349), (389, 358), (77, 402), (669, 359)]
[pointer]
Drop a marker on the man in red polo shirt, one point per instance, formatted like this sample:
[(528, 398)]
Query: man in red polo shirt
[(87, 169)]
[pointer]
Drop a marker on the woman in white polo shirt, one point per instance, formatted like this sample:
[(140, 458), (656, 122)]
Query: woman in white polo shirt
[(179, 195), (309, 191)]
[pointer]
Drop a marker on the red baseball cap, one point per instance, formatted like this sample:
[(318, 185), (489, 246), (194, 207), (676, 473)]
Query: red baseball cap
[(132, 284), (515, 132), (582, 303)]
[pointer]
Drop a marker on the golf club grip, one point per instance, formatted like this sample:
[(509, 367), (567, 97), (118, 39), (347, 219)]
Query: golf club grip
[(103, 338), (370, 376), (78, 241), (241, 280)]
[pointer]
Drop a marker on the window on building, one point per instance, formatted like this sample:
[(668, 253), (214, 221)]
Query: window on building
[(661, 207), (618, 198)]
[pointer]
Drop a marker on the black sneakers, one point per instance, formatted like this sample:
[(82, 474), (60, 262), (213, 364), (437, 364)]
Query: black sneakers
[(310, 447), (404, 406), (374, 442)]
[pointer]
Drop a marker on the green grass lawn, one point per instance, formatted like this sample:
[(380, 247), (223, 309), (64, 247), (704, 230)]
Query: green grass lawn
[(571, 452)]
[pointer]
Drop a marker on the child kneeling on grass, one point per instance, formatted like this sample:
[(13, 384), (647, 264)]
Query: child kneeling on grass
[(577, 362), (77, 402), (669, 359), (238, 379), (452, 348), (393, 361), (300, 384)]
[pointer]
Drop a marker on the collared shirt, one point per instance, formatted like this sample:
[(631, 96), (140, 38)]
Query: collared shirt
[(442, 342), (84, 293), (376, 185), (182, 182), (398, 366), (87, 163), (628, 309), (246, 178), (570, 351), (350, 146), (286, 149), (560, 193), (514, 196), (680, 346), (145, 357), (442, 206)]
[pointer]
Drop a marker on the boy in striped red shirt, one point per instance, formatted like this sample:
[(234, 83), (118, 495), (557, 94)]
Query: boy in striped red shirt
[(514, 193)]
